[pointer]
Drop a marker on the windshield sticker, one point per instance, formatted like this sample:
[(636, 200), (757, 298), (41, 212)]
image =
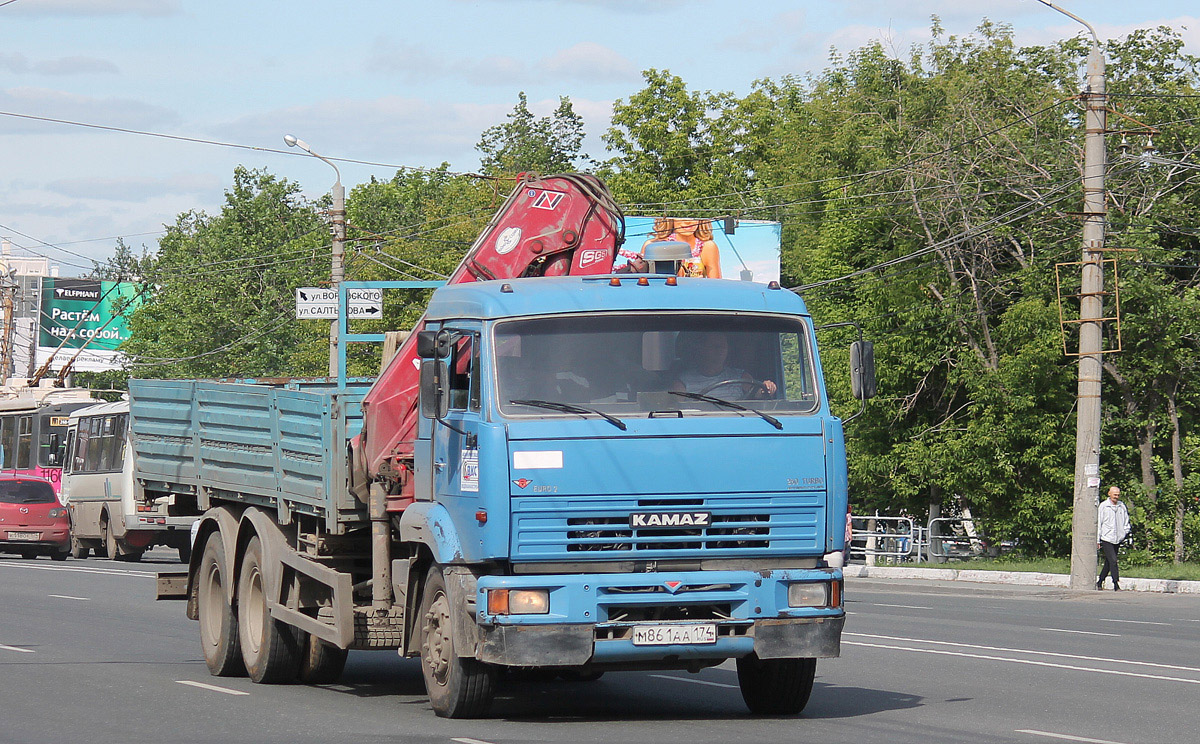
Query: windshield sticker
[(538, 460), (468, 474)]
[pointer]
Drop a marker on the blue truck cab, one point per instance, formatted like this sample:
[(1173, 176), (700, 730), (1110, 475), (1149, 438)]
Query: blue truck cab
[(642, 472)]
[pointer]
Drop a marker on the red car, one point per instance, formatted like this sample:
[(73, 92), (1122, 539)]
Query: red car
[(32, 522)]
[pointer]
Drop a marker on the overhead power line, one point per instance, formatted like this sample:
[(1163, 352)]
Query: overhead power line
[(234, 145)]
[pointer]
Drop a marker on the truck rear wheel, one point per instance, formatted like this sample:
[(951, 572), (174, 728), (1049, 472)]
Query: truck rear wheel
[(270, 648), (776, 686), (321, 663), (458, 687), (78, 549), (218, 623)]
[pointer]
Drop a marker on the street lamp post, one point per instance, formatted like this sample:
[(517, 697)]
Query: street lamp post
[(338, 214)]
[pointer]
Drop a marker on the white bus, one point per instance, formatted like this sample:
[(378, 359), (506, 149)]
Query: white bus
[(108, 511)]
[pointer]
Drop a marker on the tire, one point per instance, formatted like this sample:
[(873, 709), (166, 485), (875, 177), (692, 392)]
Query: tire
[(776, 686), (458, 687), (60, 555), (185, 553), (218, 622), (111, 548), (321, 663), (78, 549), (133, 556), (270, 648)]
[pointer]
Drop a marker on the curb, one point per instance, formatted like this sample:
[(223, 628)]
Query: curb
[(1063, 581)]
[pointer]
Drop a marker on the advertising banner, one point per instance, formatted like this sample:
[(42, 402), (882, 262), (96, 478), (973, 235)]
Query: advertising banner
[(750, 251), (86, 314)]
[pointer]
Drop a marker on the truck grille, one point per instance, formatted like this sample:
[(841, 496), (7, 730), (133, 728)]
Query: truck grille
[(614, 533), (600, 527)]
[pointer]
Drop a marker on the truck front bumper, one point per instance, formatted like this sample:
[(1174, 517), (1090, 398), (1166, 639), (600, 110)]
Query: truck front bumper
[(591, 619)]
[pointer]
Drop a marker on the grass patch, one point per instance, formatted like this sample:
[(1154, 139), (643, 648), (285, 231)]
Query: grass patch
[(1182, 572)]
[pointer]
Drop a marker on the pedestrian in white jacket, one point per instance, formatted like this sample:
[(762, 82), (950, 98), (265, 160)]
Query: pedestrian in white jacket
[(1112, 522)]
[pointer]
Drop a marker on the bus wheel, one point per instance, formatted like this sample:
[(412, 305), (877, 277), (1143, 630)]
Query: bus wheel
[(218, 623), (78, 549), (776, 686), (110, 541), (270, 648), (321, 663), (458, 687)]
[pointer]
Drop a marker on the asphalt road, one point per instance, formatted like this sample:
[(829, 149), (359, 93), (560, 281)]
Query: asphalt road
[(86, 655)]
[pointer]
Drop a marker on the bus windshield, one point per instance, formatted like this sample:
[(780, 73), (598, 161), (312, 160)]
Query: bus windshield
[(638, 363)]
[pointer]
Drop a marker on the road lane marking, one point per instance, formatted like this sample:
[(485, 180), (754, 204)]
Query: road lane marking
[(17, 649), (1081, 632), (905, 607), (694, 681), (1026, 651), (1131, 622), (1030, 662), (67, 596), (102, 571), (1068, 737), (214, 688), (465, 740)]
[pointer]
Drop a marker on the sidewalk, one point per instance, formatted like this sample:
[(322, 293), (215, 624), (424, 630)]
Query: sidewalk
[(1012, 577)]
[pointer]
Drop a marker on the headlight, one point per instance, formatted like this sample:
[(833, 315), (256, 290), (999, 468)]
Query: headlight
[(808, 595), (518, 601)]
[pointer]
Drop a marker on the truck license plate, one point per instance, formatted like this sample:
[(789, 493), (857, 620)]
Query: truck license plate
[(24, 536), (672, 635)]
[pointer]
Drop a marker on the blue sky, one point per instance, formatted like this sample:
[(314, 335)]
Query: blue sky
[(394, 82)]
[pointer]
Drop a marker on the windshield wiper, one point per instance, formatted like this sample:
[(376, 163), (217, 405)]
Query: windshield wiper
[(568, 408), (722, 402)]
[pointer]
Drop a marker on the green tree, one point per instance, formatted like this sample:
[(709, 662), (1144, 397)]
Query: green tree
[(525, 143), (224, 297)]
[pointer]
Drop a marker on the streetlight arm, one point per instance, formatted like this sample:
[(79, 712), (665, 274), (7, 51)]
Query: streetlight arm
[(1073, 17), (293, 141)]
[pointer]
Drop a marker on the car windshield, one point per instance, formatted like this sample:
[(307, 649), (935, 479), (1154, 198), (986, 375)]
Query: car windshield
[(26, 492), (652, 363)]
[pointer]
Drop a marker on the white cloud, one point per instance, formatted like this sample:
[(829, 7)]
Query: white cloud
[(134, 189), (583, 62), (54, 104), (589, 61), (149, 8), (20, 64)]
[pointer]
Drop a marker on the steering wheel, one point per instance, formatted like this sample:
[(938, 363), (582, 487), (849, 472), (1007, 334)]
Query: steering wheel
[(749, 387)]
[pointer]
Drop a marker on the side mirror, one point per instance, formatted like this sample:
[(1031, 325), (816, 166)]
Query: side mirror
[(435, 402), (433, 344), (862, 369)]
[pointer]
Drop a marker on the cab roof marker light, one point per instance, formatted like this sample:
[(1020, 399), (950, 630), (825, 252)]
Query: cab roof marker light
[(643, 282), (672, 281), (614, 282)]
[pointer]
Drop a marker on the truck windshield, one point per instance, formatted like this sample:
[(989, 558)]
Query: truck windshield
[(636, 363)]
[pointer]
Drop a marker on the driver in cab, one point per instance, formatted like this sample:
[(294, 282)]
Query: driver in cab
[(705, 369)]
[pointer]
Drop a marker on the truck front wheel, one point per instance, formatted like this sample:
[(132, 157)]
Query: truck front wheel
[(270, 648), (218, 623), (458, 687), (776, 686)]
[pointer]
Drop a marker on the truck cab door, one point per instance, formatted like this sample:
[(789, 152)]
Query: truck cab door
[(455, 440)]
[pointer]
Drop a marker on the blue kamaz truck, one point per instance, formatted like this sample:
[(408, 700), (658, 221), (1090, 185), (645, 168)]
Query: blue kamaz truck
[(610, 473)]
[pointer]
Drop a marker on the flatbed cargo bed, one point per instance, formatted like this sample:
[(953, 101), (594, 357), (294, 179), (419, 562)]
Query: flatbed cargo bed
[(277, 444)]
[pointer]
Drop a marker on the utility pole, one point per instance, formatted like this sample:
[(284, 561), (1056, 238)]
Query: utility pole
[(6, 354), (1091, 313), (338, 219)]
